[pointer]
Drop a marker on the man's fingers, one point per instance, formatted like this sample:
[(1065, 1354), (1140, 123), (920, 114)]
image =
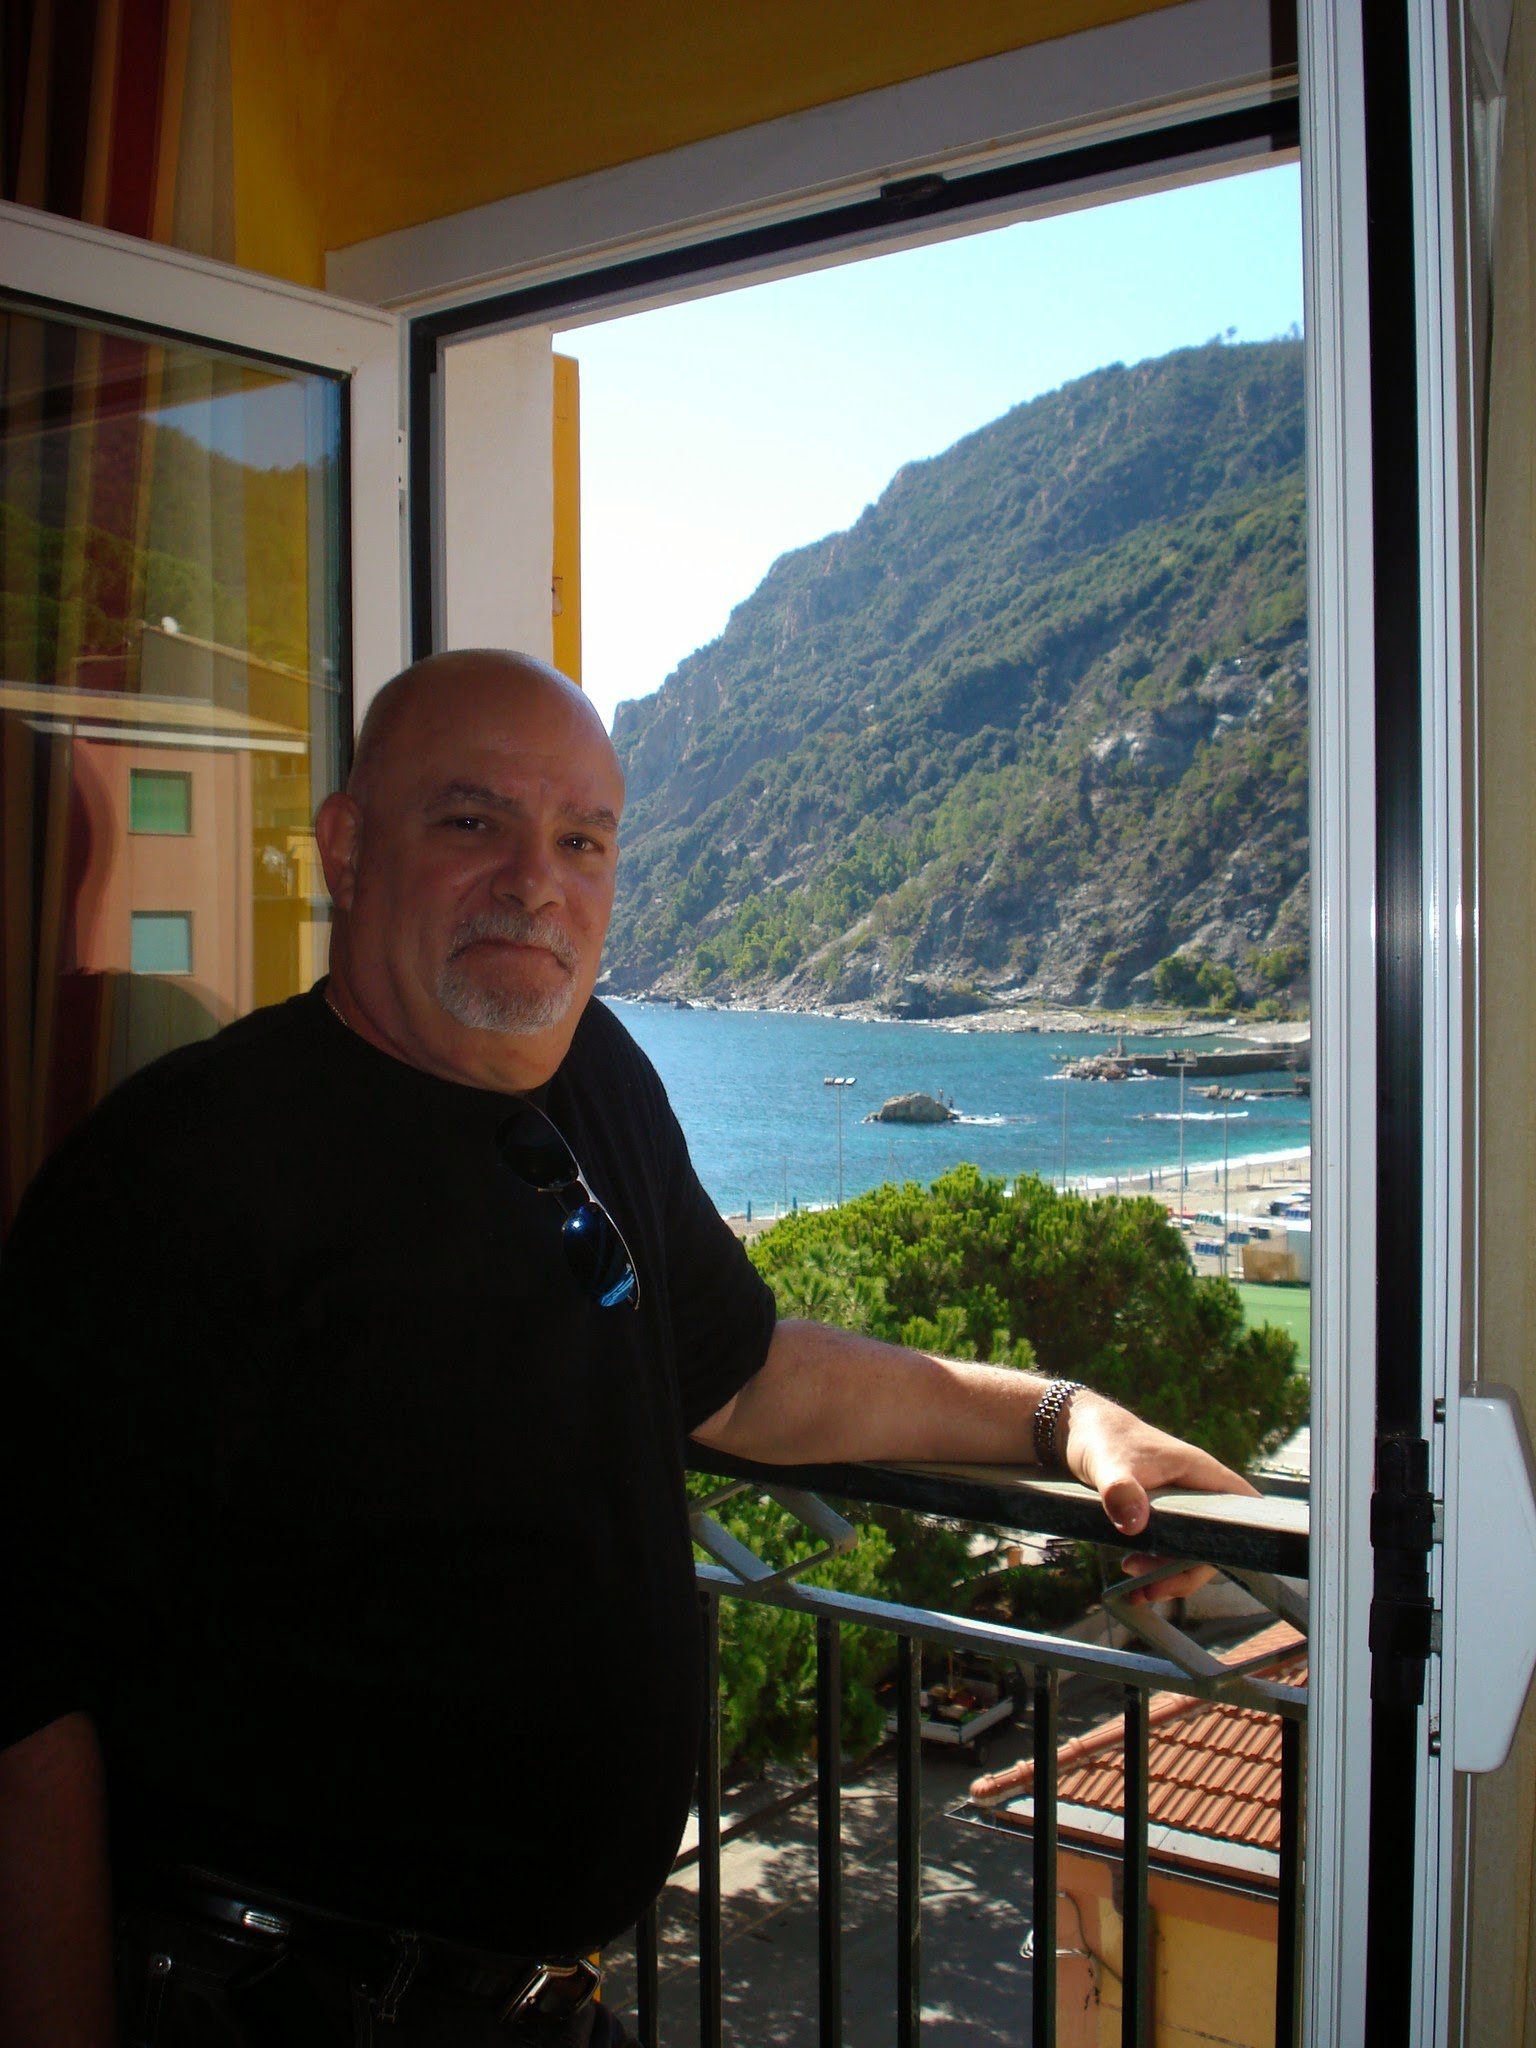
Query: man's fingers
[(1176, 1586), (1125, 1503), (1206, 1474)]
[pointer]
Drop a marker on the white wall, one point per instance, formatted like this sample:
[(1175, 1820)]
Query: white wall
[(498, 492)]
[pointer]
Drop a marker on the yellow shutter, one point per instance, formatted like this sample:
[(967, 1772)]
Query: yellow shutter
[(565, 580)]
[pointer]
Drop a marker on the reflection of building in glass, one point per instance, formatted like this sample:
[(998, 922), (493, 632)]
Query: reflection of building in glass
[(176, 883), (157, 781)]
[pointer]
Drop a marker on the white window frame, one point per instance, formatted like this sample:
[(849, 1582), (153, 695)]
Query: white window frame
[(95, 274), (1344, 1138)]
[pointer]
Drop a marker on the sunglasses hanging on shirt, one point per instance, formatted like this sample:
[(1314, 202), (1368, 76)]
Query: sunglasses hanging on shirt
[(595, 1250)]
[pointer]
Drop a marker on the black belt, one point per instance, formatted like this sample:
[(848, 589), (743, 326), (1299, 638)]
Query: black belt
[(393, 1959)]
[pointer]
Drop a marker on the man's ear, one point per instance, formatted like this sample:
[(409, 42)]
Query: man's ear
[(339, 834)]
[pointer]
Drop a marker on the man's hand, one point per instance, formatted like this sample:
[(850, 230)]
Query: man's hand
[(1124, 1460)]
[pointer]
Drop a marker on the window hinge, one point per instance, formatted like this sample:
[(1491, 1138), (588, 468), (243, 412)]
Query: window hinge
[(1402, 1532)]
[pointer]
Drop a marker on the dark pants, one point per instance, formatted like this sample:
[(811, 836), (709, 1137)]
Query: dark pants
[(185, 1984)]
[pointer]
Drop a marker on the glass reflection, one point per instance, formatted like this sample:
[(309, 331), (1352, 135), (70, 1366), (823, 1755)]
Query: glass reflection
[(170, 704)]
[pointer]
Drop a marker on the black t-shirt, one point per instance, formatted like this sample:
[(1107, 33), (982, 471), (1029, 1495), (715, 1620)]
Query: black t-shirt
[(359, 1530)]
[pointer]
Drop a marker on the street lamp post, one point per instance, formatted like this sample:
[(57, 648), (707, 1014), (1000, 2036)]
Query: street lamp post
[(1065, 1084), (1226, 1189), (839, 1082)]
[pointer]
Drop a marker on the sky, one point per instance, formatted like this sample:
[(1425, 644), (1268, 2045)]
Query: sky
[(718, 434), (269, 419)]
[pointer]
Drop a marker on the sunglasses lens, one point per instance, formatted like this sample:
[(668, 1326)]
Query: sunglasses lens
[(536, 1152), (598, 1258)]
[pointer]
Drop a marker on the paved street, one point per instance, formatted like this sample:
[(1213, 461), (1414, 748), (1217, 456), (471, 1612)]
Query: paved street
[(976, 1987)]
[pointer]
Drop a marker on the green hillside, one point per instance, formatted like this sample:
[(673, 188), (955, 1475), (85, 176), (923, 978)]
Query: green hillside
[(1035, 722)]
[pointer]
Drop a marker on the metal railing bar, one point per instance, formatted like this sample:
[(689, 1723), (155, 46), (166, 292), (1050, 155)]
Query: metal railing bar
[(1135, 2012), (1003, 1641), (829, 1828), (1043, 1859), (909, 1841), (1266, 1534), (1288, 1933), (647, 1980), (710, 1933)]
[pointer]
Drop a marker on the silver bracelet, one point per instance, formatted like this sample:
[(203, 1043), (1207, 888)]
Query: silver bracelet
[(1052, 1411)]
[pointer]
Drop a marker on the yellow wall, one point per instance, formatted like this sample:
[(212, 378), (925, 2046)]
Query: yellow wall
[(1212, 1961), (353, 117), (565, 581), (279, 89), (1501, 1967)]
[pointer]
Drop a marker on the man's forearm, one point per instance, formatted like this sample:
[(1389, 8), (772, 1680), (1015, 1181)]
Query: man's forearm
[(55, 1894), (827, 1396)]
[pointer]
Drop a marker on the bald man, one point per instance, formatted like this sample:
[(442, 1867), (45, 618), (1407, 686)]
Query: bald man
[(352, 1357)]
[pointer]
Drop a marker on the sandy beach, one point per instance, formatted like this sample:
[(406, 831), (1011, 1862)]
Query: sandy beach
[(1245, 1191), (1249, 1184)]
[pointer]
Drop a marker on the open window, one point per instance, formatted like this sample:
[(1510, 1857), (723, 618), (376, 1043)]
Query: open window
[(200, 577), (1388, 126)]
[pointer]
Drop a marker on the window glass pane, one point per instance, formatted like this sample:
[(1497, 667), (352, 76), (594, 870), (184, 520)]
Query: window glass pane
[(161, 942), (159, 800), (171, 673)]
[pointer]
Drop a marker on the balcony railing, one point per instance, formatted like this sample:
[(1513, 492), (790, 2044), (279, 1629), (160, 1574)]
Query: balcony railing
[(1263, 1543)]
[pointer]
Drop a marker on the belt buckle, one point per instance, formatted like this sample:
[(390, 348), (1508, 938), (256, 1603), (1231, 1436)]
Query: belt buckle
[(575, 1983)]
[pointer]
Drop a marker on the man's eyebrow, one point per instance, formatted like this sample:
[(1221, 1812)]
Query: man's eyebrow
[(600, 819)]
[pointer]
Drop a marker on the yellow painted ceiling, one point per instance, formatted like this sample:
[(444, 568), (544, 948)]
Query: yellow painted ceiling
[(354, 117)]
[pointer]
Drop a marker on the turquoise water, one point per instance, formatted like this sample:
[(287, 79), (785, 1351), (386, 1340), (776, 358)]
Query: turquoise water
[(749, 1090)]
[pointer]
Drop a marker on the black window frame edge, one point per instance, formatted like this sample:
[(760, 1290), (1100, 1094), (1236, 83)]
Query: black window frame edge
[(1401, 1503)]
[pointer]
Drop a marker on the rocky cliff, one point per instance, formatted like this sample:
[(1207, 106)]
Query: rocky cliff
[(1034, 723)]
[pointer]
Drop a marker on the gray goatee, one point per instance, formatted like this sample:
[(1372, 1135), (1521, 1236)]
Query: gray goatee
[(515, 1012)]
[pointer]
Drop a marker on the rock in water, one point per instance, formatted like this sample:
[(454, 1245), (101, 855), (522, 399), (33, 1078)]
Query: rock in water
[(912, 1109)]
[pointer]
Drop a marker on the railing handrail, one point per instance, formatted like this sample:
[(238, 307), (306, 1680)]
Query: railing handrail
[(1268, 1533)]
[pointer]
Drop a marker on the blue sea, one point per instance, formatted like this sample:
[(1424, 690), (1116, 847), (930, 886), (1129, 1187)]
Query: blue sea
[(749, 1088)]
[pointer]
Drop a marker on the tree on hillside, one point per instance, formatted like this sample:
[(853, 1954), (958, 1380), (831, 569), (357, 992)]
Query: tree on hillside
[(1190, 980)]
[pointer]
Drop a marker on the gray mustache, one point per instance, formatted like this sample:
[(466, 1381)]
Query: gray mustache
[(514, 928)]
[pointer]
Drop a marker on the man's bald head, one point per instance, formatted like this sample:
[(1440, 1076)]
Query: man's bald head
[(471, 865), (387, 723)]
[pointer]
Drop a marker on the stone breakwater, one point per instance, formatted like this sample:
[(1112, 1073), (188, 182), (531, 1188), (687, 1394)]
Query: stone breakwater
[(1195, 1066)]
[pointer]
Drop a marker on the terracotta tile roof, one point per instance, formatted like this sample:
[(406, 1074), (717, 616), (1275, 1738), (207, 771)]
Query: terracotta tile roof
[(1214, 1767)]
